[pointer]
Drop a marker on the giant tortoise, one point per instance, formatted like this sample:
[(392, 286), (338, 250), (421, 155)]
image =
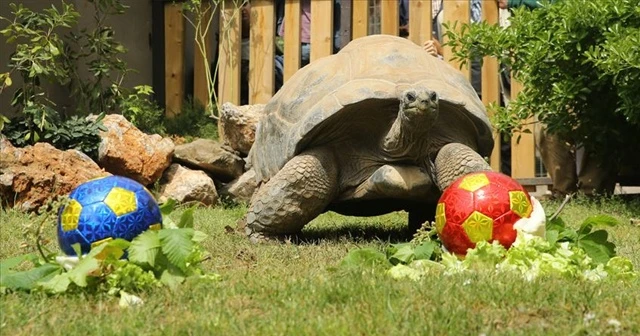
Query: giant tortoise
[(380, 126)]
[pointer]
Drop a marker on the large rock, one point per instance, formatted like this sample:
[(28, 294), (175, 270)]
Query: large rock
[(32, 175), (127, 151), (208, 155), (240, 189), (186, 185), (238, 125)]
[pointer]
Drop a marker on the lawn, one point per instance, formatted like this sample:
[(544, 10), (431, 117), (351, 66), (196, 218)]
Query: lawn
[(297, 288)]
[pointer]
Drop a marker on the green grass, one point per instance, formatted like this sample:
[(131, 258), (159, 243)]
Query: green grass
[(295, 288)]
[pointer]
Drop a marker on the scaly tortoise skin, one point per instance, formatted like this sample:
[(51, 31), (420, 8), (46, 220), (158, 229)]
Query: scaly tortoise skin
[(378, 127)]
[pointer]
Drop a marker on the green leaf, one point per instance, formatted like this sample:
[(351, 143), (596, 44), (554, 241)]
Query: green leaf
[(555, 224), (144, 248), (552, 236), (199, 236), (599, 220), (403, 255), (8, 264), (186, 220), (365, 257), (424, 250), (84, 268), (58, 284), (172, 277), (167, 207), (27, 280), (597, 246), (177, 245)]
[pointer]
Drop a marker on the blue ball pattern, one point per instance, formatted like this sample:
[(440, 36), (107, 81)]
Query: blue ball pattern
[(104, 209)]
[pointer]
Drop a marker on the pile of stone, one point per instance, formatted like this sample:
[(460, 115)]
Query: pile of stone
[(202, 171)]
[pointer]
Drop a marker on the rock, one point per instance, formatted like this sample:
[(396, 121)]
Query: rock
[(208, 155), (240, 189), (127, 151), (186, 185), (32, 175), (238, 125)]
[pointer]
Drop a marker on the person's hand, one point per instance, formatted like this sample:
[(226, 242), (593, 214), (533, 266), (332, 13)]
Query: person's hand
[(502, 4), (433, 47)]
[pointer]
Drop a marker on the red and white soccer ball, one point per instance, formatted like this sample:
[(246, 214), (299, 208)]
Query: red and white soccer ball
[(482, 206)]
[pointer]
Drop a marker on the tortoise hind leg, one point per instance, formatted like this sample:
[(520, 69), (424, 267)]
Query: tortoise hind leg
[(455, 160), (298, 193)]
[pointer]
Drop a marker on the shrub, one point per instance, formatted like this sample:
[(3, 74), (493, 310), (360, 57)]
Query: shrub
[(579, 65)]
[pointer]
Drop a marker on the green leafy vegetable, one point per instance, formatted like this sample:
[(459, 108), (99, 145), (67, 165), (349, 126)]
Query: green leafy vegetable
[(166, 257)]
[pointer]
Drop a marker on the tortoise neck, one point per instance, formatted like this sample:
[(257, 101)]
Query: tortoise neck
[(407, 139)]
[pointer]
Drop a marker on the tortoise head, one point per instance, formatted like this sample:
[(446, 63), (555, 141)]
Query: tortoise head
[(419, 105), (408, 136)]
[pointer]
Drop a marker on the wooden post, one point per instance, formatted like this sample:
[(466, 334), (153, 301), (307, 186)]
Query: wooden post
[(292, 52), (174, 59), (420, 21), (455, 10), (522, 145), (229, 56), (321, 29), (389, 17), (200, 82), (360, 19), (491, 80), (262, 44)]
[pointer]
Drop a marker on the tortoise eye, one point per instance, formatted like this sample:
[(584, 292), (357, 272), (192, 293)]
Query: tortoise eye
[(433, 96), (411, 96)]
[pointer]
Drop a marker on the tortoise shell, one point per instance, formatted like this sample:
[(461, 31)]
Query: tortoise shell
[(354, 93)]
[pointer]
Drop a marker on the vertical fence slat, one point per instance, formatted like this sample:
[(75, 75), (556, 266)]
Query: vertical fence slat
[(262, 33), (229, 59), (522, 145), (420, 21), (291, 38), (455, 10), (389, 17), (490, 80), (360, 19), (174, 59), (200, 83), (321, 29)]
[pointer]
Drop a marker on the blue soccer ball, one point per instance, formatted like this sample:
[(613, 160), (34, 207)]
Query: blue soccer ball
[(104, 209)]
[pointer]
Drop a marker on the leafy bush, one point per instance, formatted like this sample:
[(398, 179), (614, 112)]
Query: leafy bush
[(43, 54), (143, 112), (579, 64), (75, 132)]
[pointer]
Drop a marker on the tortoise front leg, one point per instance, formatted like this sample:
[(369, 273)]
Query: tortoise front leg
[(455, 160), (298, 193)]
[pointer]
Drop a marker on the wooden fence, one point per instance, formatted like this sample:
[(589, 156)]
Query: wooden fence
[(228, 22)]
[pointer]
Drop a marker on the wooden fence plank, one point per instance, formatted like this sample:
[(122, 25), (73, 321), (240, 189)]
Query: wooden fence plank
[(229, 59), (420, 21), (360, 19), (389, 17), (522, 145), (174, 59), (200, 56), (321, 29), (455, 10), (262, 52), (291, 38), (491, 80)]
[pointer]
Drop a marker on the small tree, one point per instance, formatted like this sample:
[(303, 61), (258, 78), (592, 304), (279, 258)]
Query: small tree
[(42, 54), (579, 64)]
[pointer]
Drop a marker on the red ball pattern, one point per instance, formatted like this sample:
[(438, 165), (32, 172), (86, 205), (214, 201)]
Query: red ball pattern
[(481, 206)]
